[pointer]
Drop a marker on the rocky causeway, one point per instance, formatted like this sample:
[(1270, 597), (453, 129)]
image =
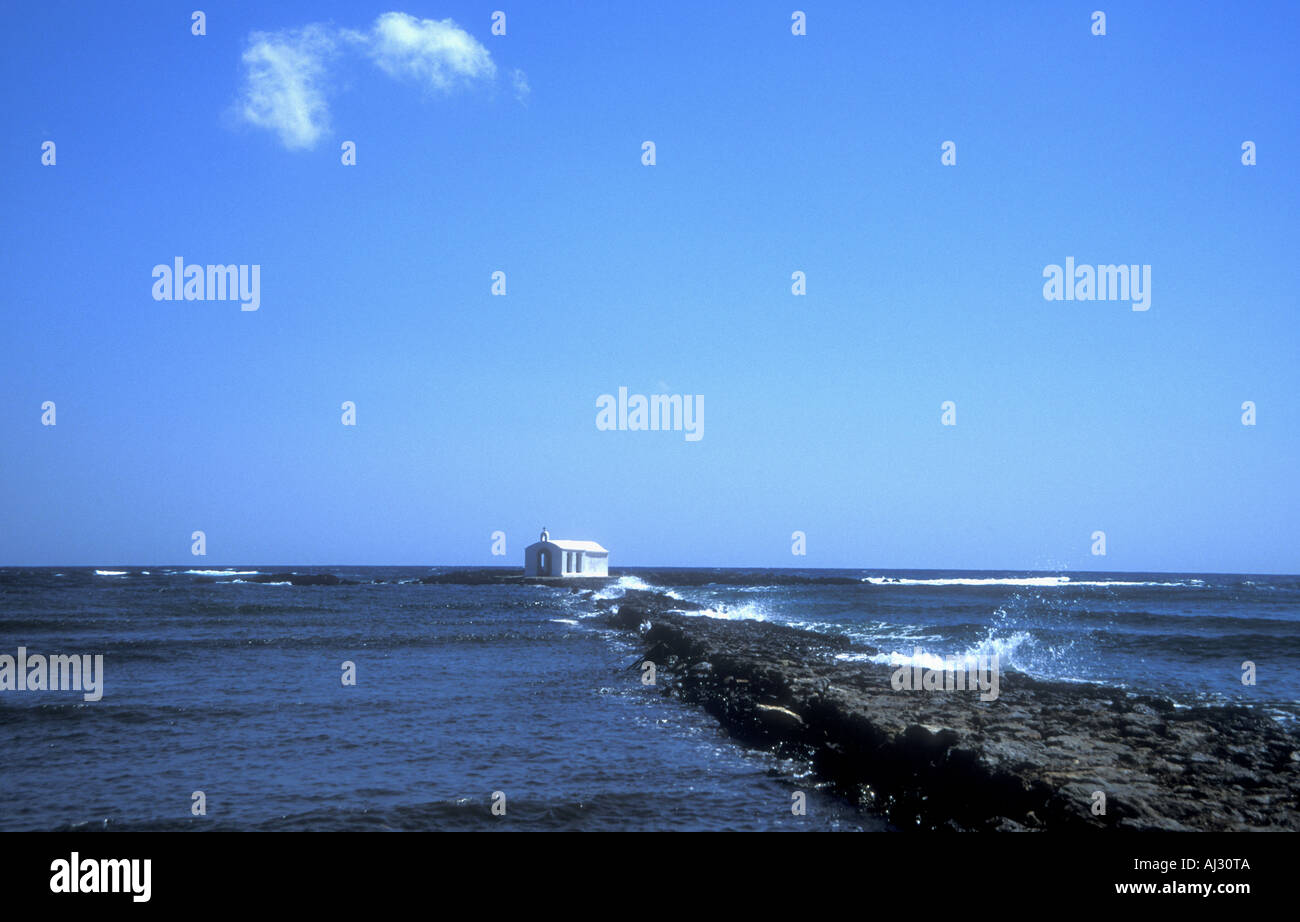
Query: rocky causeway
[(1039, 756)]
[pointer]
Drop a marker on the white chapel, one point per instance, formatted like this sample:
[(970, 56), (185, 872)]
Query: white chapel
[(557, 557)]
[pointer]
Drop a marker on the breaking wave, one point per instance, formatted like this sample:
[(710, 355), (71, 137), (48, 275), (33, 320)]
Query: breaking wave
[(1027, 582), (1004, 648), (627, 582)]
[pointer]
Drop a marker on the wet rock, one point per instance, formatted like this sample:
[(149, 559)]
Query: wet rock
[(1034, 758)]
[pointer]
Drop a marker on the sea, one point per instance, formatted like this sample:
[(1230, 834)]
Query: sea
[(480, 705)]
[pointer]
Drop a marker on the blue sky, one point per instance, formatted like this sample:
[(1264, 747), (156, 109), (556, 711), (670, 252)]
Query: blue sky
[(775, 153)]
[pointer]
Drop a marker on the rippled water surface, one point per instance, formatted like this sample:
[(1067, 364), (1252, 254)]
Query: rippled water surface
[(217, 682)]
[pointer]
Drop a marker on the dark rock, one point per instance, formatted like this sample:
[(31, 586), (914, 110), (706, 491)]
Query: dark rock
[(301, 579), (1034, 758)]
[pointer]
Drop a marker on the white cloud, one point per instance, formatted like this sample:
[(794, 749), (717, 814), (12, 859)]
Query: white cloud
[(283, 85), (520, 80), (286, 72), (437, 53)]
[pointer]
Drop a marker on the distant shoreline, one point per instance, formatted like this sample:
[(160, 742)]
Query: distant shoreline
[(506, 570)]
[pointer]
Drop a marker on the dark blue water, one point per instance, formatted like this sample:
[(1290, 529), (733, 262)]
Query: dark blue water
[(1181, 635), (216, 684), (233, 689)]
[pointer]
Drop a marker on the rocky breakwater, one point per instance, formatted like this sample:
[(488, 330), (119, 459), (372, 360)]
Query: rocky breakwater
[(1041, 755)]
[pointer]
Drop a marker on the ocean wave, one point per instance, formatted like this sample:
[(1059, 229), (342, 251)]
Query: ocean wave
[(112, 572), (222, 572), (1004, 648), (628, 582), (745, 578), (1028, 582), (745, 611)]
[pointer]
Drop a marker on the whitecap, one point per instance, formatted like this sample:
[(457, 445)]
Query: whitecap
[(1003, 648), (746, 611), (1022, 581), (624, 583)]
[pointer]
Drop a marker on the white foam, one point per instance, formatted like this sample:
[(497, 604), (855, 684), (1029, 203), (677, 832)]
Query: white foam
[(111, 572), (563, 621), (1003, 648), (746, 611), (227, 582), (624, 583), (222, 572), (1023, 581)]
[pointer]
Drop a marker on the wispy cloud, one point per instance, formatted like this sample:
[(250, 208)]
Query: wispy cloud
[(283, 86), (437, 53), (286, 73), (520, 80)]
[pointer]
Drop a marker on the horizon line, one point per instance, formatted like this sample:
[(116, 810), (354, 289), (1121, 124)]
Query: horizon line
[(476, 566)]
